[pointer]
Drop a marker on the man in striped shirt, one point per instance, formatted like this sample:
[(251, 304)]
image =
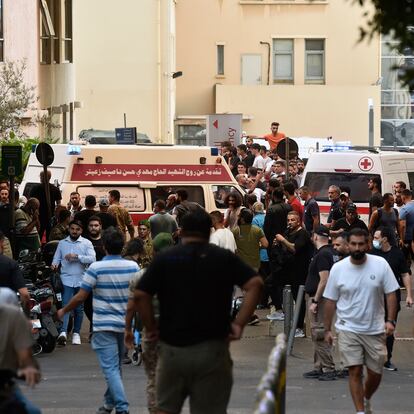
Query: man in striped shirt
[(109, 281)]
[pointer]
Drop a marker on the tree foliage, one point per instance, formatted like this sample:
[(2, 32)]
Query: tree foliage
[(16, 99), (394, 18)]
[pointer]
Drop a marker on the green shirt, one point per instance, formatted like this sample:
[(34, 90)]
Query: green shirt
[(247, 238)]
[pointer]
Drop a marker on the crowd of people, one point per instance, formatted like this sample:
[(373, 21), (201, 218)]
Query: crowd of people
[(182, 256)]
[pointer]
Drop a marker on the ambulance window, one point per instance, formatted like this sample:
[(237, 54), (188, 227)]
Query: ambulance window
[(132, 197), (411, 179), (220, 193), (195, 193), (357, 184), (28, 188)]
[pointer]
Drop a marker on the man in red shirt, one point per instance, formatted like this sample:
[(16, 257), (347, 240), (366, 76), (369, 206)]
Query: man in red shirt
[(275, 137), (289, 189)]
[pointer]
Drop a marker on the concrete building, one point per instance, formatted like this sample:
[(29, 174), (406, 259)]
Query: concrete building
[(92, 62), (38, 33), (297, 62), (125, 57)]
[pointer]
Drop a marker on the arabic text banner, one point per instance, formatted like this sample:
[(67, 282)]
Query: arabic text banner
[(132, 172)]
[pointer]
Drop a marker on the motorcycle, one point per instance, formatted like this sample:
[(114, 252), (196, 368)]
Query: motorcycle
[(45, 290)]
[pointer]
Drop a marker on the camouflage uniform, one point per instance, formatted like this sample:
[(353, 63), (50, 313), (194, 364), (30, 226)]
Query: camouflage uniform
[(145, 259), (149, 352), (59, 232)]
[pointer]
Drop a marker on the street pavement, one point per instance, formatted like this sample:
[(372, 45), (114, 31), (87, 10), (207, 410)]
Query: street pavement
[(73, 383)]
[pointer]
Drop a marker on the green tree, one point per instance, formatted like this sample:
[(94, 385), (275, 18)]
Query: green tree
[(394, 18), (16, 99)]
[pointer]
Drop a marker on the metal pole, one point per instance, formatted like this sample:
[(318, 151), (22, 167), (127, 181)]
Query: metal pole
[(370, 122), (71, 121), (12, 232), (64, 128), (287, 156), (124, 120), (288, 308), (298, 305)]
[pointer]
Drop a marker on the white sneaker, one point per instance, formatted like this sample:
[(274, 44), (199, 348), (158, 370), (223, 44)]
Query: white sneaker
[(76, 340), (61, 339), (299, 333), (276, 316)]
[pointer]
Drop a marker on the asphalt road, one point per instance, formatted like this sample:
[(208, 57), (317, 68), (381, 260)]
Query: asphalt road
[(73, 382)]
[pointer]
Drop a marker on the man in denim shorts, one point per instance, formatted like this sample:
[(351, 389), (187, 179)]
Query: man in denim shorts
[(356, 288), (194, 285)]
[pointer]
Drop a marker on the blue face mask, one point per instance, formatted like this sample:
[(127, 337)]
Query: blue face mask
[(376, 244)]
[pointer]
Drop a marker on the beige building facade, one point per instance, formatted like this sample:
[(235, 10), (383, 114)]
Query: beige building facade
[(295, 62), (91, 63), (124, 57), (33, 32)]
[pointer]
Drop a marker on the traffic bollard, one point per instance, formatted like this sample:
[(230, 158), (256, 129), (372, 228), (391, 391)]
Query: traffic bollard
[(298, 304), (288, 308)]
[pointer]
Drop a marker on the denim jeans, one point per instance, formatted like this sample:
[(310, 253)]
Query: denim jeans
[(68, 293), (29, 407), (109, 347)]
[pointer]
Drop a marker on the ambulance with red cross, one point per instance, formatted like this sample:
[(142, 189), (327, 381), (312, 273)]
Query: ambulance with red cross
[(351, 169), (141, 173)]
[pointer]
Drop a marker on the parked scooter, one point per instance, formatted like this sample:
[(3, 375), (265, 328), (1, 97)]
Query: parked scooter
[(45, 289)]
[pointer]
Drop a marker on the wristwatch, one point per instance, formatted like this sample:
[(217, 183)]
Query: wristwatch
[(394, 322), (314, 301)]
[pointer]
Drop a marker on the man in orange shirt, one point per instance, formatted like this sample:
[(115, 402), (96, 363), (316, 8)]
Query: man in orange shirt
[(275, 137)]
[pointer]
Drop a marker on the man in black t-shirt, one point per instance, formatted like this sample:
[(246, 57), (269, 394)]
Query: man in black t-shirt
[(107, 219), (319, 268), (349, 222), (84, 215), (298, 249), (38, 191), (194, 285), (340, 211), (11, 276), (375, 202), (382, 242), (94, 234), (311, 214)]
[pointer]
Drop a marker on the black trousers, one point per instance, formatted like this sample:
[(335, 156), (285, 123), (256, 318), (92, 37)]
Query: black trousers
[(44, 227), (87, 308), (264, 272)]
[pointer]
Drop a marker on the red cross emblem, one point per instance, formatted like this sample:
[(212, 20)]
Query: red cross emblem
[(366, 164)]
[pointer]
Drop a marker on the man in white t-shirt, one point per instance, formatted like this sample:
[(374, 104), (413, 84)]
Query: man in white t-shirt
[(221, 237), (356, 288), (258, 162)]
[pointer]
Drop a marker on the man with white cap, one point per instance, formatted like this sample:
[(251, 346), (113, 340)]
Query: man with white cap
[(107, 219)]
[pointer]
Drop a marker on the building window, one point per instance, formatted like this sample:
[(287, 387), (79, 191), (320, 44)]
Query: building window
[(220, 59), (397, 100), (283, 60), (67, 32), (56, 31), (314, 60), (1, 33)]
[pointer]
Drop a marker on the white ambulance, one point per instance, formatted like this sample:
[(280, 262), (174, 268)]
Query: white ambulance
[(142, 174), (352, 169)]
